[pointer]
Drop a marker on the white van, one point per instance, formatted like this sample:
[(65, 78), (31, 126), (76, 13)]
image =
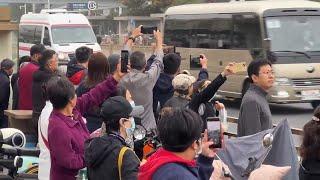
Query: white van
[(58, 30)]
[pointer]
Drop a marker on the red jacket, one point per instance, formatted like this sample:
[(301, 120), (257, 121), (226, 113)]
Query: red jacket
[(25, 85), (158, 159)]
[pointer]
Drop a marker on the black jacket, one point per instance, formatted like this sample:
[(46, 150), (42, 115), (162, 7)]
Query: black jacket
[(199, 98), (162, 91), (40, 78), (101, 157), (309, 170), (15, 91), (4, 90), (94, 121)]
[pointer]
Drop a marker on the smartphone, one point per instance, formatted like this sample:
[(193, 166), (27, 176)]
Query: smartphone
[(124, 61), (215, 132), (195, 63), (148, 30), (169, 49), (240, 67)]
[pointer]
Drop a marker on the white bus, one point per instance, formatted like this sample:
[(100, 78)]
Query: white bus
[(285, 32), (58, 30)]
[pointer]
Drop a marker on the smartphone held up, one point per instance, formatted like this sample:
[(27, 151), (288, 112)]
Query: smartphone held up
[(124, 61), (215, 133)]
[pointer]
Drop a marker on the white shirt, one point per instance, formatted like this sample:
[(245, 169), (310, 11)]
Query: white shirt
[(44, 158)]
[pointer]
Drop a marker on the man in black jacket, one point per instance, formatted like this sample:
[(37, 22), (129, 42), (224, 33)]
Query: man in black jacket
[(5, 71), (183, 85), (48, 68), (108, 157)]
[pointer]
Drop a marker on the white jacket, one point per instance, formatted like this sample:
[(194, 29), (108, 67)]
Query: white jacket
[(44, 158)]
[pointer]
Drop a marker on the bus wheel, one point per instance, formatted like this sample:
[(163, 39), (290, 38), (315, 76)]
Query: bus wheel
[(315, 104), (245, 87)]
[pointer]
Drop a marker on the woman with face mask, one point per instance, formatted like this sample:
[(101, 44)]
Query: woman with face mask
[(110, 156)]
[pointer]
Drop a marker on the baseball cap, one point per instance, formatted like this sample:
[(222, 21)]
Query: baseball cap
[(183, 81), (119, 107)]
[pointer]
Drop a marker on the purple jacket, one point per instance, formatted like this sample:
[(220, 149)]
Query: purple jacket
[(66, 136)]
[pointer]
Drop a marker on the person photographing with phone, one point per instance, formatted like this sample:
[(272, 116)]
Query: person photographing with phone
[(140, 82), (184, 97)]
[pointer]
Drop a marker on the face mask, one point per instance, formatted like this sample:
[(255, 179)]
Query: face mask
[(223, 118), (129, 131), (132, 103)]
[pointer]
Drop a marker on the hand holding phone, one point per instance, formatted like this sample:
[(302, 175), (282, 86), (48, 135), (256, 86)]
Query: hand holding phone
[(148, 30), (215, 133), (124, 61), (240, 67)]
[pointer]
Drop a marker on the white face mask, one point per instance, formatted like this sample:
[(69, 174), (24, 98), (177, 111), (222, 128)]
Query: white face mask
[(129, 131)]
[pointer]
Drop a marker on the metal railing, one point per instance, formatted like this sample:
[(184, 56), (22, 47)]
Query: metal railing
[(233, 120)]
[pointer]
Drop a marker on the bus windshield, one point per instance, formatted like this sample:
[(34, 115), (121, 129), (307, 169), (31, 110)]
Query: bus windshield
[(61, 35), (294, 33)]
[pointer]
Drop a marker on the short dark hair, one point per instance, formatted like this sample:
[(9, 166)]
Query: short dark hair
[(23, 59), (178, 128), (114, 60), (60, 91), (83, 53), (138, 60), (46, 56), (37, 49), (254, 67), (7, 64), (171, 63), (310, 148)]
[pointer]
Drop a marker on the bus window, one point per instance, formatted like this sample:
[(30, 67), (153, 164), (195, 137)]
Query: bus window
[(26, 34), (246, 32), (213, 31), (199, 32)]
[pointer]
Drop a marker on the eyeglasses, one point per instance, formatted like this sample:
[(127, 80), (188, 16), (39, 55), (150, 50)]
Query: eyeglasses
[(269, 73)]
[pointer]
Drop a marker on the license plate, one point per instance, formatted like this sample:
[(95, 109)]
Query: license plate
[(310, 94)]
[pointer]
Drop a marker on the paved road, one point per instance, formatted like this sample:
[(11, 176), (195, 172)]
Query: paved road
[(297, 114)]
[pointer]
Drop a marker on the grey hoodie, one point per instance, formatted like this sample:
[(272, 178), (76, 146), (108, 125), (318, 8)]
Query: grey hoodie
[(140, 84)]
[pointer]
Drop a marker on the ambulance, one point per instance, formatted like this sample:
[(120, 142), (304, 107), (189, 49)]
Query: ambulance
[(56, 29)]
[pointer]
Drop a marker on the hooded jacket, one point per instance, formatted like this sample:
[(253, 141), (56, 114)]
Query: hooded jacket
[(309, 170), (101, 157), (162, 91), (76, 73), (161, 162)]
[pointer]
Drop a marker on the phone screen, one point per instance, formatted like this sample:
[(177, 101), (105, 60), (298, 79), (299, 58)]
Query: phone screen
[(124, 61), (214, 132), (148, 30)]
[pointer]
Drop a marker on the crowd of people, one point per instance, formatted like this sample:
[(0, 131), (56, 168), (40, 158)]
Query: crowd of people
[(95, 97)]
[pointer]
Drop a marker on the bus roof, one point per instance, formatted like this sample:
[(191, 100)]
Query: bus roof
[(55, 19), (237, 7)]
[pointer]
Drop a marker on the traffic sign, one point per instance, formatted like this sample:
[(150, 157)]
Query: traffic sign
[(92, 5)]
